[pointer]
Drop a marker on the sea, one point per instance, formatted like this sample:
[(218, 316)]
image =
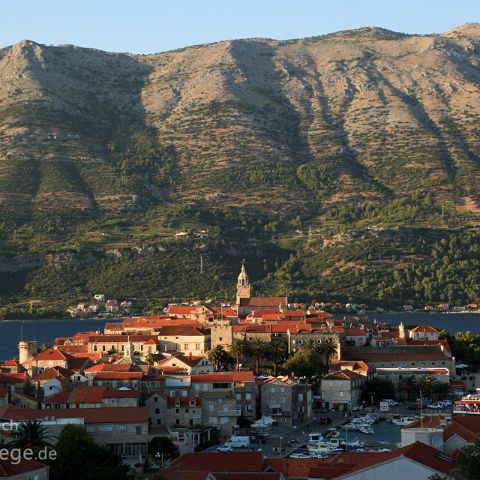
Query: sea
[(45, 331)]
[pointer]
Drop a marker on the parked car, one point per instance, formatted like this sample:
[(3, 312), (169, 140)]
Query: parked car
[(224, 448), (391, 402), (436, 406), (324, 420)]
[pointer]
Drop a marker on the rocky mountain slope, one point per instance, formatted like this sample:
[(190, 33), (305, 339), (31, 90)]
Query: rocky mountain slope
[(365, 128)]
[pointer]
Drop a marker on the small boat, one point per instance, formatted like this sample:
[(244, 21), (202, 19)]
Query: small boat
[(355, 445), (404, 421), (366, 430)]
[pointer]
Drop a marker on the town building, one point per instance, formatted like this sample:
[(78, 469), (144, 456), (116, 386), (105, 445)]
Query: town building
[(342, 390), (288, 400)]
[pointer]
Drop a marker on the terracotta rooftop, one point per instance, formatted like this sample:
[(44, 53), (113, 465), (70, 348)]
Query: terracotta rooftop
[(13, 468), (182, 330), (263, 301), (222, 377), (226, 462), (90, 415), (50, 354), (424, 329)]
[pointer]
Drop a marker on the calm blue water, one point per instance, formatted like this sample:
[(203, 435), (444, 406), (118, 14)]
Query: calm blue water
[(453, 322), (44, 331)]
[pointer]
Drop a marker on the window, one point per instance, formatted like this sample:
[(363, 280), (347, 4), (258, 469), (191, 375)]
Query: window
[(185, 346), (300, 397), (283, 400), (248, 396), (157, 411), (123, 429), (177, 421), (238, 396), (211, 407), (197, 347), (177, 410), (225, 407), (340, 394), (138, 430)]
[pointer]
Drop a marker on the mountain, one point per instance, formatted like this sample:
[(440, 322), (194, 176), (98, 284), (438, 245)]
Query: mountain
[(284, 151)]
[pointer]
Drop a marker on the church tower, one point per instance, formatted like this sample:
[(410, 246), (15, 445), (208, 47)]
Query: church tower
[(243, 285)]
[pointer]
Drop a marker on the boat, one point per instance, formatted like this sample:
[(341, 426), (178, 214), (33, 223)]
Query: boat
[(404, 421), (366, 430), (355, 445), (317, 445)]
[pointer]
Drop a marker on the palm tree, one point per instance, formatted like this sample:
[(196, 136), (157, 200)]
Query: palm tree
[(217, 355), (258, 347), (238, 350), (31, 434), (277, 354), (328, 349), (311, 345), (407, 385)]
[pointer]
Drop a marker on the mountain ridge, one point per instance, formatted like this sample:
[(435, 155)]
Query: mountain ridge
[(255, 140)]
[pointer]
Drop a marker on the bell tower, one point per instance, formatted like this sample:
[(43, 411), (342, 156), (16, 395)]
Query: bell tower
[(243, 285)]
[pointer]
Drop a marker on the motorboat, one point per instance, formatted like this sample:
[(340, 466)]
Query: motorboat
[(366, 430), (404, 421), (318, 445), (355, 445)]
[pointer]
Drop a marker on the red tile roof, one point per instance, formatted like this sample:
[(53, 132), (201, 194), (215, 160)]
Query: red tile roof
[(118, 375), (418, 452), (225, 462), (263, 301), (120, 338), (84, 394), (355, 332), (109, 367), (13, 377), (90, 415), (70, 349), (12, 467), (424, 329), (54, 372), (222, 377), (182, 330), (51, 354), (344, 375)]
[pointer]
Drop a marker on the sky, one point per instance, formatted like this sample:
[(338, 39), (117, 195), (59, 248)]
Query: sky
[(148, 26)]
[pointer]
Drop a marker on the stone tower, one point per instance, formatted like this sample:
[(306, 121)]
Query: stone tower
[(401, 331), (243, 285), (26, 350)]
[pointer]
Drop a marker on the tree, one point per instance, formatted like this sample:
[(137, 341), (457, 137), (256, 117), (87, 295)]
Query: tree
[(258, 348), (220, 358), (79, 457), (31, 434), (306, 362), (407, 387), (238, 349), (469, 460), (277, 353), (150, 358), (328, 348), (161, 445), (379, 388)]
